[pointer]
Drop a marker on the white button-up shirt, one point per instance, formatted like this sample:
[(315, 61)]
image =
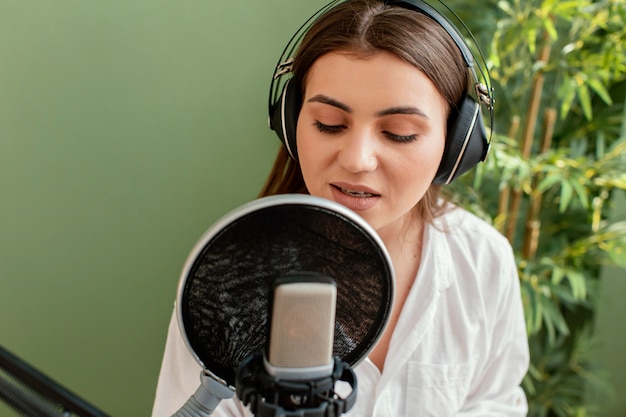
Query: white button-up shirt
[(459, 347)]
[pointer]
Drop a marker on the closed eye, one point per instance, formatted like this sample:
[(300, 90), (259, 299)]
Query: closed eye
[(331, 129), (400, 138)]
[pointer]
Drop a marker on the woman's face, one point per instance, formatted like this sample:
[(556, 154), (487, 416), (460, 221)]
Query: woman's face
[(370, 135)]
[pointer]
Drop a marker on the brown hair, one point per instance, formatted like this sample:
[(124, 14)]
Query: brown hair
[(364, 28)]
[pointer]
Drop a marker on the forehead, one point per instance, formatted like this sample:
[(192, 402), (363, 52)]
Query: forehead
[(380, 80)]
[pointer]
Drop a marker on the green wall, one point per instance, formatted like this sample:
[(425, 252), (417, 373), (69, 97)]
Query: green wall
[(610, 327), (127, 127)]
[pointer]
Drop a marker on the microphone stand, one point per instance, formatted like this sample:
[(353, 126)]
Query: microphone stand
[(206, 398), (269, 396), (32, 393)]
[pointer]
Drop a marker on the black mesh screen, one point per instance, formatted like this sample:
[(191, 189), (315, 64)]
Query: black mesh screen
[(224, 297)]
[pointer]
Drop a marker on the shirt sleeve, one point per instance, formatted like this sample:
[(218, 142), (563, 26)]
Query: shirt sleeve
[(496, 391), (179, 376)]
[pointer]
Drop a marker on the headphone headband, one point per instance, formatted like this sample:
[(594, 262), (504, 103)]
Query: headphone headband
[(484, 91), (424, 8)]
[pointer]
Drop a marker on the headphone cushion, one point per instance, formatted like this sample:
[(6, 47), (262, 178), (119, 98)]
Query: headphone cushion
[(466, 142), (285, 112)]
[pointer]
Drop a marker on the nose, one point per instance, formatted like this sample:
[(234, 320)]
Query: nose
[(358, 152)]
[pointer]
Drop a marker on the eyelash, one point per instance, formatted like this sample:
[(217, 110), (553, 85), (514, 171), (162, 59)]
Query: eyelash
[(334, 129), (400, 138), (328, 128)]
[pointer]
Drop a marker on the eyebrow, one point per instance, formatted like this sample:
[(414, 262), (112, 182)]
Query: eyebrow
[(320, 98), (403, 110)]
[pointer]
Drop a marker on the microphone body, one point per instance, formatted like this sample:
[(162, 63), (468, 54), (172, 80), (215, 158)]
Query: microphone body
[(302, 328), (296, 376)]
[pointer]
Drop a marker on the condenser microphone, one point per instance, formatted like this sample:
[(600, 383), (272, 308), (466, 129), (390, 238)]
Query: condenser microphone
[(302, 328), (298, 372)]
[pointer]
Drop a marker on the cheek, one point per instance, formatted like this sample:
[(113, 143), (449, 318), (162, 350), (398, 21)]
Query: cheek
[(308, 155), (303, 144), (419, 166), (313, 146)]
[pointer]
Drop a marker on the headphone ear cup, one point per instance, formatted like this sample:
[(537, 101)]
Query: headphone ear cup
[(284, 116), (466, 143)]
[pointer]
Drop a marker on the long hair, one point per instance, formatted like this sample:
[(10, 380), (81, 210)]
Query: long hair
[(364, 28)]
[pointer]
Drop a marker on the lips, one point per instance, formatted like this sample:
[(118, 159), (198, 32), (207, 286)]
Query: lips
[(354, 197), (355, 193)]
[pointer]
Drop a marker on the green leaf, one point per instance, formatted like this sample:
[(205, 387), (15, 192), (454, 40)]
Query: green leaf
[(553, 318), (585, 101), (531, 38), (566, 196), (567, 94), (549, 27), (557, 275), (532, 310), (578, 284), (600, 145), (581, 192), (549, 181), (505, 6), (599, 88)]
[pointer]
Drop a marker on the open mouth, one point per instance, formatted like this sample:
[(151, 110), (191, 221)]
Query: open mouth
[(355, 193)]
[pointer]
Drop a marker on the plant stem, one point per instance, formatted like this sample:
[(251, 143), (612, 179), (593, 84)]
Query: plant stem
[(503, 199), (533, 223), (527, 138)]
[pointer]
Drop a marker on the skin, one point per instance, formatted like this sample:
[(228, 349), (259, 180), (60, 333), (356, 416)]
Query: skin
[(371, 135)]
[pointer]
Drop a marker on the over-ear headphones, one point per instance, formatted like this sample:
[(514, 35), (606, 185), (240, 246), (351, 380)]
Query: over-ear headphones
[(466, 140)]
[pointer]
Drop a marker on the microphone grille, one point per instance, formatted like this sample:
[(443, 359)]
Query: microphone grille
[(303, 324)]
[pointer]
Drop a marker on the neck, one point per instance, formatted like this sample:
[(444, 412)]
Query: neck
[(403, 233), (404, 244)]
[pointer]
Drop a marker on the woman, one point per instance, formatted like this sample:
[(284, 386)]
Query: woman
[(378, 91)]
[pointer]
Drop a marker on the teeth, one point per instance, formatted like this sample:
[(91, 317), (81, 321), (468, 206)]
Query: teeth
[(356, 193)]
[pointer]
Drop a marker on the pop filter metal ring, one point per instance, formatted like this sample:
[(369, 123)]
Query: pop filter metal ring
[(283, 202)]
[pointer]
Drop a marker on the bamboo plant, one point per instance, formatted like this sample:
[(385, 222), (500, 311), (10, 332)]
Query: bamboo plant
[(558, 155)]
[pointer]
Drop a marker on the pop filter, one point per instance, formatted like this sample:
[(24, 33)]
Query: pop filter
[(226, 283)]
